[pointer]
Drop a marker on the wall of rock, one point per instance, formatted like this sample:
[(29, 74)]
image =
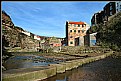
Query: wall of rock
[(13, 39)]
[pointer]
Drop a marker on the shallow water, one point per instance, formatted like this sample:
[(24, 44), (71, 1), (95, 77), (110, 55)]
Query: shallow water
[(17, 62), (108, 69)]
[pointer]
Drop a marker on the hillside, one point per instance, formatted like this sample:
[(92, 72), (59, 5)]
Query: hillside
[(13, 37), (14, 40)]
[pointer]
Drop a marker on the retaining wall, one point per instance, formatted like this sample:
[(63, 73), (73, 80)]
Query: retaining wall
[(53, 69)]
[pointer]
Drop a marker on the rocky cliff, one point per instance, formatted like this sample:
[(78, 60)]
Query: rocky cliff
[(13, 39)]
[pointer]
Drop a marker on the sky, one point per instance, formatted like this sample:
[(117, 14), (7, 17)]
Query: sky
[(48, 18)]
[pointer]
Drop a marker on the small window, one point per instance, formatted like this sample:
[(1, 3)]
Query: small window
[(70, 24), (82, 25), (74, 25), (74, 30), (110, 7), (78, 31), (82, 31), (117, 10), (110, 13), (71, 36), (117, 4), (70, 30), (110, 3), (78, 25), (71, 42)]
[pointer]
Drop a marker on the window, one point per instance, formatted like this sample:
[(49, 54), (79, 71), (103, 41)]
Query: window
[(110, 13), (74, 30), (110, 7), (71, 42), (71, 36), (78, 25), (117, 10), (117, 4), (78, 31), (74, 25), (110, 3), (70, 24), (82, 31), (70, 30), (82, 25)]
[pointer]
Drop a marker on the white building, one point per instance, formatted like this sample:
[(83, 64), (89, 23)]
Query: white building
[(26, 33), (37, 37), (118, 6), (93, 39)]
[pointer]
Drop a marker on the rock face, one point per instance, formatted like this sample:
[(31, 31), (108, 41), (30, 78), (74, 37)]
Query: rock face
[(13, 39)]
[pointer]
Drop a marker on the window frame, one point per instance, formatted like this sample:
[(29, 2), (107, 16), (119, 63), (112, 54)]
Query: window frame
[(83, 31), (78, 31), (70, 30)]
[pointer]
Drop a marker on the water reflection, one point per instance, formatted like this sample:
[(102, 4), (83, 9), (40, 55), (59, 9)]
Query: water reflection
[(108, 69)]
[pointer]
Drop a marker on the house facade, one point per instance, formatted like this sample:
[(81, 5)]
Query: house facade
[(75, 32)]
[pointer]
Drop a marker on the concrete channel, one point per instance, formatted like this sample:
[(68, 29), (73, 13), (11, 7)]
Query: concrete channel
[(40, 73)]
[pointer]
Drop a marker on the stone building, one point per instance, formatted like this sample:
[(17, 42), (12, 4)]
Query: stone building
[(109, 10), (97, 18), (75, 32)]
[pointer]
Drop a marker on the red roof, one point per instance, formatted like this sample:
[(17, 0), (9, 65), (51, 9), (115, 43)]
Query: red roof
[(76, 23)]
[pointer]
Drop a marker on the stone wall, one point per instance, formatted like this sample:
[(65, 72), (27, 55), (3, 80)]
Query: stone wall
[(82, 49)]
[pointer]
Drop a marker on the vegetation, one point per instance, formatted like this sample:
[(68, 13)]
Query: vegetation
[(109, 35), (3, 27)]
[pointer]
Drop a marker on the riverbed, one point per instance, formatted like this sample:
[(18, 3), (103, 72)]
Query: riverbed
[(108, 69)]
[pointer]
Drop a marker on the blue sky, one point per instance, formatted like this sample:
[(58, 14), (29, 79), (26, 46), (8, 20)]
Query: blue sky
[(48, 18)]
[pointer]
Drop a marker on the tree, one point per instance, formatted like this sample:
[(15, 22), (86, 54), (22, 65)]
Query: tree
[(109, 35)]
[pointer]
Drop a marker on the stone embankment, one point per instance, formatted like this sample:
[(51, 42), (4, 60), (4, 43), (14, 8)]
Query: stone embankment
[(40, 73)]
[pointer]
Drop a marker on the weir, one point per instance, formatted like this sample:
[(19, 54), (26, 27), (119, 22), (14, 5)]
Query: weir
[(40, 73)]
